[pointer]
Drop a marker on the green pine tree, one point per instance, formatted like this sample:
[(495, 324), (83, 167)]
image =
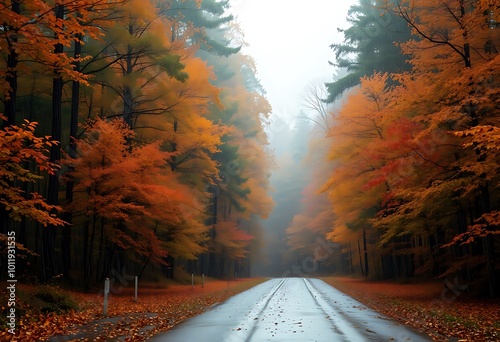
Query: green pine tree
[(370, 45), (207, 20)]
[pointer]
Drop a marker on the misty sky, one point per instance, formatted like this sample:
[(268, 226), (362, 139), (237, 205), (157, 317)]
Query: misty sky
[(290, 39)]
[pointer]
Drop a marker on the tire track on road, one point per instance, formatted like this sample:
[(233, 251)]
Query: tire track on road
[(340, 325), (253, 317)]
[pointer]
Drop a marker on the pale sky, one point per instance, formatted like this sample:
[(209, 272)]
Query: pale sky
[(290, 42)]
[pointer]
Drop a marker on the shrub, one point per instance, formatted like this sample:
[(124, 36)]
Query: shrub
[(53, 299)]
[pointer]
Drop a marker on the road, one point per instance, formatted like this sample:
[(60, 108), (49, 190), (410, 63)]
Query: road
[(290, 309)]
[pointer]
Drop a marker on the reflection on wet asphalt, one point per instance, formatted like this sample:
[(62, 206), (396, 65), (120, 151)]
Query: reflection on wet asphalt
[(291, 309)]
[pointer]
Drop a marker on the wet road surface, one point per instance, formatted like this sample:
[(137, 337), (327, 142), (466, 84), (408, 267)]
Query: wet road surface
[(290, 309)]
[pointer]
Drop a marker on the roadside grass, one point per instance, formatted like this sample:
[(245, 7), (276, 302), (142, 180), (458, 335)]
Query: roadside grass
[(422, 306)]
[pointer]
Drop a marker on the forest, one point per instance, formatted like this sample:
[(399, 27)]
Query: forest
[(406, 185), (135, 141)]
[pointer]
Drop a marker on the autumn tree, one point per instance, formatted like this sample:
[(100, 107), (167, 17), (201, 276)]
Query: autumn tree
[(137, 53), (32, 30), (140, 61), (22, 155), (461, 47), (313, 220), (240, 187), (357, 132), (35, 36), (311, 225), (131, 202), (163, 90), (19, 145), (423, 161)]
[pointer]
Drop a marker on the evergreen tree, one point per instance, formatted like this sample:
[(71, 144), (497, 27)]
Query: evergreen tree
[(370, 45), (202, 20)]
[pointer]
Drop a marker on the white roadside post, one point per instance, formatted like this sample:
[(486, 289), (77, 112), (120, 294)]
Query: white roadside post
[(136, 287), (106, 292)]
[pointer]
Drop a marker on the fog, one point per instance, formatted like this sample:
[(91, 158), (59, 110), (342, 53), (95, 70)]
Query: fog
[(290, 42), (290, 55), (292, 174)]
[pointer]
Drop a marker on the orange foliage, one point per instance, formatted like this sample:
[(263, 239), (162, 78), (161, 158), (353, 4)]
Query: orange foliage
[(132, 187), (230, 240), (18, 146), (420, 151), (357, 138), (180, 118), (243, 160), (25, 34)]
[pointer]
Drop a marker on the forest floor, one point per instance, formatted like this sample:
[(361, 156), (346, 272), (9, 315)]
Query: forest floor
[(442, 310), (156, 310)]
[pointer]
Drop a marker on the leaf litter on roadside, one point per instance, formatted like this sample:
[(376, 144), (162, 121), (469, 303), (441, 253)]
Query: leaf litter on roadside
[(157, 310), (421, 307)]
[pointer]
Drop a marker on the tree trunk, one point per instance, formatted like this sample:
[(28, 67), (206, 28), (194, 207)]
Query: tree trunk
[(143, 267), (100, 261), (394, 258), (365, 251), (361, 261), (49, 236), (467, 59), (86, 276), (489, 242), (11, 75), (91, 246), (127, 91), (173, 164), (73, 131), (10, 102), (351, 268)]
